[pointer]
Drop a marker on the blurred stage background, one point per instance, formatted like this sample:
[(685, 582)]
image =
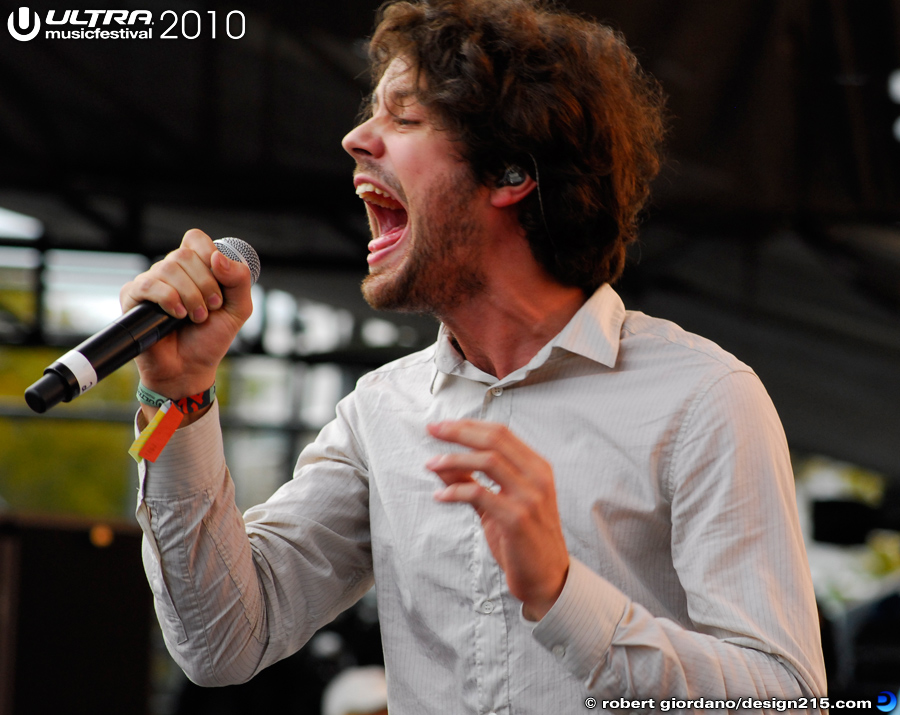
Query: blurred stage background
[(774, 230)]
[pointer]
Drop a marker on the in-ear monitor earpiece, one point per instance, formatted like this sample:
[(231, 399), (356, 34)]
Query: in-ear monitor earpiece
[(513, 176)]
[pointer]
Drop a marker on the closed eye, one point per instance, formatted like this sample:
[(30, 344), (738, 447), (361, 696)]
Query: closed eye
[(404, 122)]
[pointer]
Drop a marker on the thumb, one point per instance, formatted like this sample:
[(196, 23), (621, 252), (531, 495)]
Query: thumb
[(235, 279)]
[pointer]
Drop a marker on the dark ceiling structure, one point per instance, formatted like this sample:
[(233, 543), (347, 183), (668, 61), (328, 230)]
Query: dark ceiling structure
[(774, 229)]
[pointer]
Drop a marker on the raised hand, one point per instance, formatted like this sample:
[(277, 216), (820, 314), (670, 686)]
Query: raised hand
[(198, 282), (521, 521)]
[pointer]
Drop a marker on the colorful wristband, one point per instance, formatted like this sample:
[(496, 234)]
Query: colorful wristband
[(156, 435), (191, 403)]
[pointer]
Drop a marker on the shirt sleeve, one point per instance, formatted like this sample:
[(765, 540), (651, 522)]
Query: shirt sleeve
[(224, 614), (741, 560)]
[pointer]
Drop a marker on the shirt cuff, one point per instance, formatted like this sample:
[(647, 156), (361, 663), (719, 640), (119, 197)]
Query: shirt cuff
[(578, 630), (193, 459)]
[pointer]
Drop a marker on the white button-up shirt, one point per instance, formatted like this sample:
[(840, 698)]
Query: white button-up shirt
[(688, 575)]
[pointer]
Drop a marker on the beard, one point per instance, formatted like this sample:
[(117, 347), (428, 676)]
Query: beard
[(441, 268)]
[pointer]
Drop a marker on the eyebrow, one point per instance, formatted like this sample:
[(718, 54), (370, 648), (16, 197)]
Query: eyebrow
[(398, 94), (395, 98)]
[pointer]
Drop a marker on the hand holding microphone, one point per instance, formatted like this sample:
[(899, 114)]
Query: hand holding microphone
[(202, 282)]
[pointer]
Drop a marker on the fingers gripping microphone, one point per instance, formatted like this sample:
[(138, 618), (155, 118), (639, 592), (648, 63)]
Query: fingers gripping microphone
[(122, 340)]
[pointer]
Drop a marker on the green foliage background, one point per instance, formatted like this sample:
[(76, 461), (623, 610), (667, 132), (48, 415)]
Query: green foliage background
[(75, 466)]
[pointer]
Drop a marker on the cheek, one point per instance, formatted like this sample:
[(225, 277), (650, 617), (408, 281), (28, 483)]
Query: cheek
[(420, 160)]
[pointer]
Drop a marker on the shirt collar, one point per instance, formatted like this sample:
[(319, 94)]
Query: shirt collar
[(593, 333)]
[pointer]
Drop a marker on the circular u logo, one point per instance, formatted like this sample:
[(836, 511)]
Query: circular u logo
[(18, 27), (887, 701)]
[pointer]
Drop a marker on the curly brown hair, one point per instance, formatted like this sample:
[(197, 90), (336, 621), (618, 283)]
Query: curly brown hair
[(525, 82)]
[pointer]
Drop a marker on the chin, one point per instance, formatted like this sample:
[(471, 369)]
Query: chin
[(382, 292), (402, 288)]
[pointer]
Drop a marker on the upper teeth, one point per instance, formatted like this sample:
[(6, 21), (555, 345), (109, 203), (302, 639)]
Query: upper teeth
[(374, 195), (366, 188)]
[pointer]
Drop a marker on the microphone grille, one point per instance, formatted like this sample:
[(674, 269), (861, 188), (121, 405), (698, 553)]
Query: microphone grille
[(239, 250)]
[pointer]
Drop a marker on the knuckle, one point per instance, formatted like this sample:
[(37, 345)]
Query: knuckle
[(496, 435), (166, 270), (181, 254), (144, 283), (543, 492), (518, 513), (532, 505)]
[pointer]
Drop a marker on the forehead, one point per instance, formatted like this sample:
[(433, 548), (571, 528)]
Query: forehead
[(398, 84)]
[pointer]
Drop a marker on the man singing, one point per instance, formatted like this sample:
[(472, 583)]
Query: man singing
[(558, 500)]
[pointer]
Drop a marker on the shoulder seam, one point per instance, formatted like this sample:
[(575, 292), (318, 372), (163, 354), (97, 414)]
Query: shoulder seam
[(689, 415), (738, 367)]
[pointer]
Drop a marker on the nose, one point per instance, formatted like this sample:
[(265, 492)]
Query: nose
[(363, 141)]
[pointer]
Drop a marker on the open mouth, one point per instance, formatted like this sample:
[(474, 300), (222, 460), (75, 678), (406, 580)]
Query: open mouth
[(389, 215)]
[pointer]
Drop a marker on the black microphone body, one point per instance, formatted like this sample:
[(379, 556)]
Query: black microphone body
[(100, 355), (119, 342)]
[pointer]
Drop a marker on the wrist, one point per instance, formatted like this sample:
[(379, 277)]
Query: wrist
[(147, 414), (535, 609), (192, 406), (187, 404), (178, 387)]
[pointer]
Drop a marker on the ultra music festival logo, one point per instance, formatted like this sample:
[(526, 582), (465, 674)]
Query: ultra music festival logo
[(25, 24)]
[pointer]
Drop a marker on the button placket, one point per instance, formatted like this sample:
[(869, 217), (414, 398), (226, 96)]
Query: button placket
[(491, 628)]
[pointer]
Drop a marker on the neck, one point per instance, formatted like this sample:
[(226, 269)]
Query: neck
[(501, 329), (519, 308)]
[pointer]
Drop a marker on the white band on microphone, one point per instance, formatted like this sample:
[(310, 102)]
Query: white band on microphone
[(81, 368)]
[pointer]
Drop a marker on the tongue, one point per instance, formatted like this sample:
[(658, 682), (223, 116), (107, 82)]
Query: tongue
[(388, 238)]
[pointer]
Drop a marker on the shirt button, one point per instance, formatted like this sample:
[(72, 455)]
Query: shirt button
[(487, 607), (559, 651), (496, 391)]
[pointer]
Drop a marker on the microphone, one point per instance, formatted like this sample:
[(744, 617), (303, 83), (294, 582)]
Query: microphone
[(124, 339)]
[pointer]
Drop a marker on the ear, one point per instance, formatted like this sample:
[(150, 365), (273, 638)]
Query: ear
[(507, 195)]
